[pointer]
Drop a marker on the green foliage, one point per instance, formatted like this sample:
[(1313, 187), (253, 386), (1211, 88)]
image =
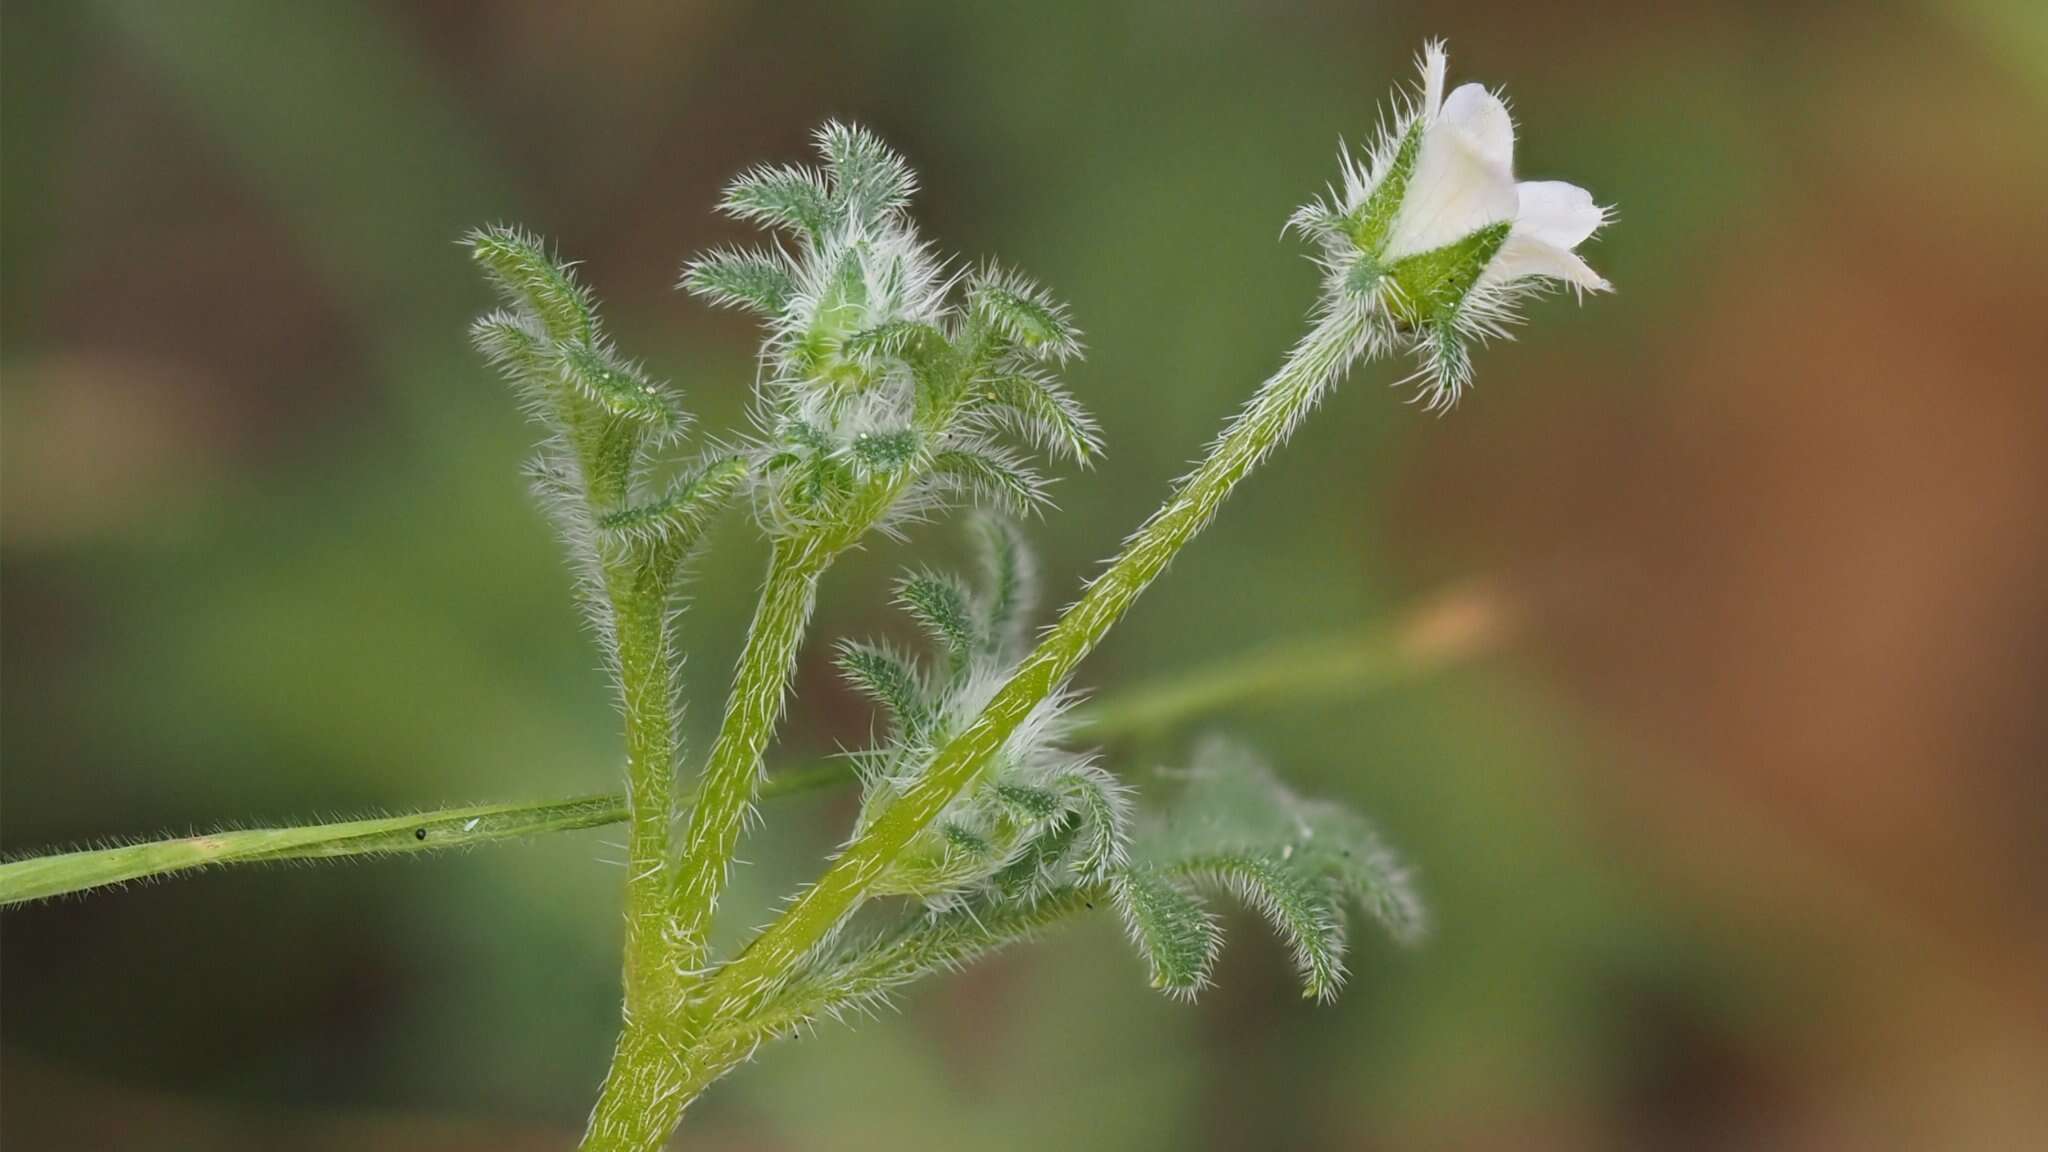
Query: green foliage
[(886, 375), (1043, 815), (1178, 937), (1298, 862), (734, 278)]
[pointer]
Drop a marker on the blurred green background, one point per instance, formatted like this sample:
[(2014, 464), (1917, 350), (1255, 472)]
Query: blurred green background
[(1735, 833)]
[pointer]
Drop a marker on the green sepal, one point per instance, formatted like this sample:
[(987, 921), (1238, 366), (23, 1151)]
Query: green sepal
[(1429, 286)]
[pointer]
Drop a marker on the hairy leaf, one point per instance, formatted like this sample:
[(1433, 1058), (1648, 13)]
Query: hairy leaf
[(1044, 412), (621, 388), (942, 606), (887, 677), (868, 177), (1103, 806), (791, 198), (1023, 314), (1175, 934), (1298, 905), (519, 264), (680, 517), (1009, 580), (991, 475), (758, 281)]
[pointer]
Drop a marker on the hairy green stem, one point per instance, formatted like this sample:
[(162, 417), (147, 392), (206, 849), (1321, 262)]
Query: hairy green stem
[(651, 1082), (1327, 351), (731, 780), (42, 877), (647, 693)]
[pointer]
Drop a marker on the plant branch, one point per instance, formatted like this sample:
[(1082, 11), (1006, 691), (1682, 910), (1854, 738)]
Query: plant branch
[(1329, 349), (731, 778), (42, 877), (652, 1083), (638, 592)]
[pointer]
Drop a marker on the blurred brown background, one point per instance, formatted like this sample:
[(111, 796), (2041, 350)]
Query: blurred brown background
[(1736, 840)]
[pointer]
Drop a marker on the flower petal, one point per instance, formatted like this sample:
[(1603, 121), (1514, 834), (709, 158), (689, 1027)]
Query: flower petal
[(1464, 176), (1556, 212), (1480, 117), (1523, 256)]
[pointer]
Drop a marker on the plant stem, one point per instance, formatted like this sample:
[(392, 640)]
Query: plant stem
[(731, 779), (650, 1086), (1322, 356), (644, 1093), (647, 694), (41, 877)]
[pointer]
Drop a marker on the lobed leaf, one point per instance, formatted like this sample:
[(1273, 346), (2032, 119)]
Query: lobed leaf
[(1301, 909), (788, 197), (621, 388), (1009, 575), (1022, 313), (990, 475), (887, 677), (1177, 937), (680, 517), (868, 178), (760, 282), (1044, 412), (519, 264), (942, 606)]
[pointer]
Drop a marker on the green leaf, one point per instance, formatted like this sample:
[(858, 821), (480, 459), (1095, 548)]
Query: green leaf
[(911, 341), (677, 520), (1299, 906), (760, 282), (1175, 934), (791, 198), (517, 345), (860, 976), (1233, 804), (1022, 313), (1035, 867), (868, 178), (1032, 803), (966, 841), (943, 608), (990, 475), (887, 677), (1044, 413), (1009, 574), (1103, 806), (621, 388), (518, 263)]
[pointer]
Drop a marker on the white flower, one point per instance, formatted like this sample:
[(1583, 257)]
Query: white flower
[(1434, 241)]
